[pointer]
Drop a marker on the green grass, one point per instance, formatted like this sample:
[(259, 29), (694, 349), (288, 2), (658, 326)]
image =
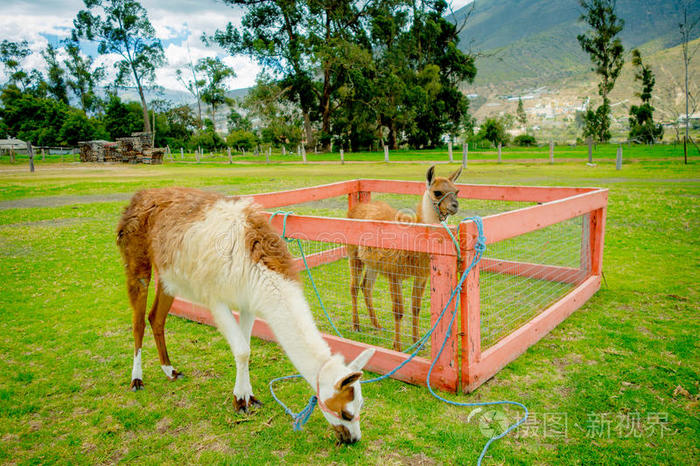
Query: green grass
[(65, 337), (479, 153)]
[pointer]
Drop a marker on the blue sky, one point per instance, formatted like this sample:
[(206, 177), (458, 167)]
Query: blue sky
[(178, 23)]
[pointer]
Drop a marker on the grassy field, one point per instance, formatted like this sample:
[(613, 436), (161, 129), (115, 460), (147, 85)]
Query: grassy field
[(618, 382), (510, 153)]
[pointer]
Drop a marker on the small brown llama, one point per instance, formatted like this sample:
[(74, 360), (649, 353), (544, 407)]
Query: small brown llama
[(438, 202)]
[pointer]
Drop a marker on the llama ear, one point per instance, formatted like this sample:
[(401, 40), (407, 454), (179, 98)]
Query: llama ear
[(348, 380), (360, 361), (430, 176), (455, 175)]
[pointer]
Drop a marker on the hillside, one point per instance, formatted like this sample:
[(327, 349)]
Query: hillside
[(551, 109), (533, 42)]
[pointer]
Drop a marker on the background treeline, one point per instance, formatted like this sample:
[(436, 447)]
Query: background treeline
[(354, 74)]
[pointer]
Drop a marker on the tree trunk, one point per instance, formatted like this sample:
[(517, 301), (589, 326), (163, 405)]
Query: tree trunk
[(146, 120), (307, 126)]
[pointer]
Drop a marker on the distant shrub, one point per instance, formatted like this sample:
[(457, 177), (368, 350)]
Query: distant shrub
[(524, 140)]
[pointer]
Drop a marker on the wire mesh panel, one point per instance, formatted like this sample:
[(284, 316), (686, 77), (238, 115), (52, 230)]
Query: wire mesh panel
[(522, 276), (328, 291)]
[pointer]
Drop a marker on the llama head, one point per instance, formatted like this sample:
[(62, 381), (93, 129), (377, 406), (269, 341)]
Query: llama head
[(340, 395), (443, 192)]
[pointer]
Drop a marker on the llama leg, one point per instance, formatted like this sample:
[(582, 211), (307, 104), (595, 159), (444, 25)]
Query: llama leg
[(243, 389), (137, 288), (355, 273), (397, 307), (418, 290), (157, 317), (367, 287), (230, 329)]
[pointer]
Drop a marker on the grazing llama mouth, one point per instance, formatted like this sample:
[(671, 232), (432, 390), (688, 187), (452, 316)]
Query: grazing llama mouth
[(343, 435)]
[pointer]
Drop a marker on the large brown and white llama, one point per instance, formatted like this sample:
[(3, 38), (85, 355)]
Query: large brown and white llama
[(221, 252), (439, 201)]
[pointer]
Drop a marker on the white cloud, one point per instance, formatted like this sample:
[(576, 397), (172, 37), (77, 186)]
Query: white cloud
[(177, 22)]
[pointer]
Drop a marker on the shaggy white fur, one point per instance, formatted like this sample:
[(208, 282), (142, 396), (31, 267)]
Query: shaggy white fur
[(212, 267)]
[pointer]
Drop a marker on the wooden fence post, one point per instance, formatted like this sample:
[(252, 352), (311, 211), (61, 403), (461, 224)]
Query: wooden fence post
[(42, 154), (386, 153), (499, 152), (182, 153), (618, 159), (449, 150), (589, 141), (230, 159), (303, 153), (30, 153), (551, 151), (284, 149), (267, 154), (342, 157), (465, 154)]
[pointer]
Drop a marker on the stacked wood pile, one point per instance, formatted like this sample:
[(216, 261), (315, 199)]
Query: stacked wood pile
[(136, 148)]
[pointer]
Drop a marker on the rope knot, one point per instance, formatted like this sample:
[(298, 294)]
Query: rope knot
[(303, 416)]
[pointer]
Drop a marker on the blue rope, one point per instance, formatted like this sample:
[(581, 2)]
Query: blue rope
[(479, 248), (302, 416)]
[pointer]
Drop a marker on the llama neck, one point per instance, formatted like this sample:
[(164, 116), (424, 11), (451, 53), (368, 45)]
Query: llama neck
[(292, 323), (426, 210)]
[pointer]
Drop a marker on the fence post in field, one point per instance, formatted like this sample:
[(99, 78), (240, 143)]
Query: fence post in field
[(196, 155), (42, 154), (267, 154), (244, 152), (30, 153), (449, 150), (284, 149), (589, 141), (386, 153), (499, 152), (618, 159), (182, 153), (342, 157), (230, 159), (303, 153), (465, 154), (551, 151)]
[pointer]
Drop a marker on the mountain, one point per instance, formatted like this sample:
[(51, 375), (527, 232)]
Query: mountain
[(533, 42)]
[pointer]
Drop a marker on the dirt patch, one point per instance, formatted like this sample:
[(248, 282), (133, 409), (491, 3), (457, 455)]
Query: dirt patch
[(57, 201), (59, 222)]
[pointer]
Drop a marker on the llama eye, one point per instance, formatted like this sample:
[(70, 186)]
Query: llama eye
[(346, 415), (437, 193)]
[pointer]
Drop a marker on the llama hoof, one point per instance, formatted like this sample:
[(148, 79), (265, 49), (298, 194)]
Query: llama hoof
[(377, 326), (243, 406), (176, 375), (355, 327), (136, 385)]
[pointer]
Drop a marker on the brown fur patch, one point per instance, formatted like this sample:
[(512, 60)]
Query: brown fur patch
[(266, 247), (337, 402)]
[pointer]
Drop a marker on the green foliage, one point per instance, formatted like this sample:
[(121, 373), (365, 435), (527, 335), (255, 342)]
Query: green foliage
[(78, 127), (82, 77), (11, 55), (384, 72), (521, 115), (214, 86), (31, 118), (122, 27), (525, 140), (605, 50), (242, 139), (175, 126), (206, 138), (494, 131), (121, 119), (56, 83), (642, 127)]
